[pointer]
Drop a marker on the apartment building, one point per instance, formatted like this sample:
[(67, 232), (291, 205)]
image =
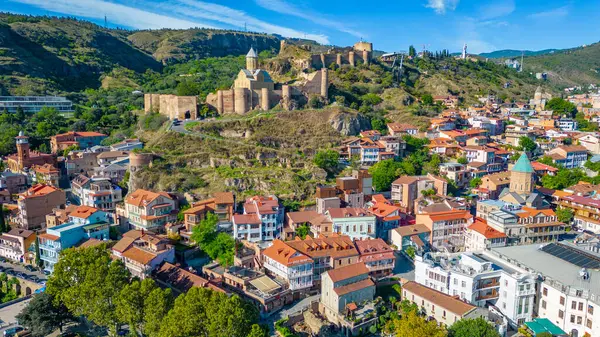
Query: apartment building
[(150, 211), (445, 309), (36, 203), (16, 245), (44, 174), (406, 189), (388, 216), (479, 236), (447, 227), (377, 256), (84, 223), (81, 162), (586, 211), (399, 129), (14, 183), (357, 223), (142, 253), (456, 172), (262, 220), (568, 294), (569, 156), (493, 184), (83, 140), (96, 192), (222, 205), (481, 279), (283, 261)]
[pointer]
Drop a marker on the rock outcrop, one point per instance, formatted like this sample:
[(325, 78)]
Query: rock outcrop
[(350, 124)]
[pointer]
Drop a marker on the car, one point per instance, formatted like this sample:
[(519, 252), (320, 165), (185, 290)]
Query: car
[(30, 267), (46, 272), (12, 331), (11, 272)]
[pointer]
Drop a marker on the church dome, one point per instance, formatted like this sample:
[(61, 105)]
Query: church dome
[(523, 165)]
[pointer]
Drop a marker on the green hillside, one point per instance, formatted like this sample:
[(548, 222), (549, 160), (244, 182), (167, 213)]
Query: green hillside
[(577, 66), (510, 53)]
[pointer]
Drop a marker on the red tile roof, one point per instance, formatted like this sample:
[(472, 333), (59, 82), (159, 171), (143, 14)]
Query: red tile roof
[(347, 272), (286, 255), (83, 212), (487, 231), (440, 299), (354, 287)]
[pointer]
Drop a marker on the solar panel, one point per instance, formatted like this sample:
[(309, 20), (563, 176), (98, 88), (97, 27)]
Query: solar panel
[(572, 255)]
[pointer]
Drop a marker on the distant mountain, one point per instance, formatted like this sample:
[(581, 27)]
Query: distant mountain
[(510, 53)]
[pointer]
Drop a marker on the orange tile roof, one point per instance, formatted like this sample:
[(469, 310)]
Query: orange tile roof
[(284, 254), (527, 212), (139, 255), (84, 212), (450, 215), (334, 246), (383, 210), (440, 299), (143, 197), (537, 166), (49, 237), (487, 231), (38, 191), (247, 219), (347, 272), (223, 197), (354, 286)]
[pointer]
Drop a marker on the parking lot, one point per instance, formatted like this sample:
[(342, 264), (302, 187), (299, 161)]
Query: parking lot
[(24, 272)]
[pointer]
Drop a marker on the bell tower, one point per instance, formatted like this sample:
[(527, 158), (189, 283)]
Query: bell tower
[(252, 60), (521, 176)]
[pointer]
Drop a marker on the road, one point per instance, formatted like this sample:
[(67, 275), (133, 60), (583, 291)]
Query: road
[(17, 268)]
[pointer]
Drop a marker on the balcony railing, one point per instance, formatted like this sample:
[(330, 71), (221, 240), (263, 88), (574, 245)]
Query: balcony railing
[(50, 248), (488, 285), (53, 259), (487, 296)]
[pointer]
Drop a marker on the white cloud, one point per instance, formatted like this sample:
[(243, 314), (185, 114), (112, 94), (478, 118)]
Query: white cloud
[(287, 8), (233, 17), (116, 13), (497, 9), (441, 6), (551, 14)]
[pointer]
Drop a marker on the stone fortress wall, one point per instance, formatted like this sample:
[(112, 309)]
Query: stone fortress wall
[(172, 106)]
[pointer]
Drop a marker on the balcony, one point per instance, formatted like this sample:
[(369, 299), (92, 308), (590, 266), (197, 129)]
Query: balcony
[(487, 296), (526, 292), (485, 285), (50, 248), (293, 274), (51, 259)]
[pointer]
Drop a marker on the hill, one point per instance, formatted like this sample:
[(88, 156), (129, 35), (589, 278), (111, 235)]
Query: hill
[(576, 66), (510, 53)]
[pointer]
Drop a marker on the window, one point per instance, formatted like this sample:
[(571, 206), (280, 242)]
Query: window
[(579, 320), (433, 309), (543, 304), (561, 314), (590, 309), (580, 307), (455, 281), (462, 295), (588, 323), (572, 318), (503, 305), (444, 315), (464, 284), (562, 300), (506, 283), (504, 294), (545, 291), (573, 305)]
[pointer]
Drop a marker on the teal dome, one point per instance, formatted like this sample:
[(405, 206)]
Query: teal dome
[(523, 165)]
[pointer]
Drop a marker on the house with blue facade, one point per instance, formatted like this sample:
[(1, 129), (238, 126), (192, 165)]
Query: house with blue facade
[(84, 223)]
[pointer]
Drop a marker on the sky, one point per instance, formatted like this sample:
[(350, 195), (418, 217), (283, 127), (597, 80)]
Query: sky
[(391, 25)]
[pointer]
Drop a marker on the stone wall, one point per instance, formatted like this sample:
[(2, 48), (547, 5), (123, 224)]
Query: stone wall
[(172, 106)]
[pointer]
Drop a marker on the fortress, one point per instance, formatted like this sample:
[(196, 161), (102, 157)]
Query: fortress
[(361, 52), (254, 89), (172, 106)]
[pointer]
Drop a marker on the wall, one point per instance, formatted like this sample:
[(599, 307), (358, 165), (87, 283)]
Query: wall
[(172, 106)]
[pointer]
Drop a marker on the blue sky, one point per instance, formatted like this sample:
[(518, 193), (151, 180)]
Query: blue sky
[(392, 25)]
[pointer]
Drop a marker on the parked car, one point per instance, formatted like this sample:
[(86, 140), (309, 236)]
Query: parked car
[(30, 267), (46, 272), (12, 331)]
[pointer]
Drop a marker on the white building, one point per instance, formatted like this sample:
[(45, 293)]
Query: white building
[(289, 265), (357, 223), (262, 220), (481, 280), (569, 295)]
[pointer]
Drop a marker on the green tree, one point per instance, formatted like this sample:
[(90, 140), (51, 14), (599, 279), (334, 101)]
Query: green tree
[(258, 331), (412, 52), (328, 160), (3, 226), (475, 182), (303, 231), (564, 215), (563, 179), (527, 144), (462, 160), (68, 150), (43, 315), (477, 327), (88, 281), (156, 307), (130, 302), (371, 99), (412, 325), (379, 125), (407, 307), (410, 251), (427, 99), (219, 246), (433, 166), (384, 173), (561, 107)]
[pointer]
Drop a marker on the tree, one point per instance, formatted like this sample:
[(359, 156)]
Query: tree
[(38, 259), (43, 315), (68, 150), (564, 215), (259, 331), (527, 144), (303, 231), (3, 226), (476, 182), (379, 125), (477, 327), (427, 99), (412, 52), (88, 282), (384, 173), (563, 178), (219, 246), (462, 160), (328, 160), (407, 307), (412, 325), (561, 107), (156, 307), (130, 302), (410, 251)]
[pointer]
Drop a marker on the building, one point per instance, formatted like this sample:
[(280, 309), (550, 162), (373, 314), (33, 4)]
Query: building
[(481, 279), (357, 223), (493, 184), (327, 252), (81, 162), (180, 280), (45, 174), (283, 261), (407, 189), (343, 290), (573, 156), (14, 183), (33, 104), (142, 253), (388, 216), (127, 145), (591, 142), (150, 211), (416, 236), (568, 294), (455, 172), (586, 211), (326, 198), (36, 203), (567, 124), (18, 245), (172, 106), (82, 140), (445, 309), (479, 236), (399, 129), (447, 227), (262, 220), (59, 215), (96, 192), (377, 256), (25, 158), (108, 157), (84, 223), (222, 204)]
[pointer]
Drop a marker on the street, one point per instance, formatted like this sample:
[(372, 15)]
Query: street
[(12, 268)]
